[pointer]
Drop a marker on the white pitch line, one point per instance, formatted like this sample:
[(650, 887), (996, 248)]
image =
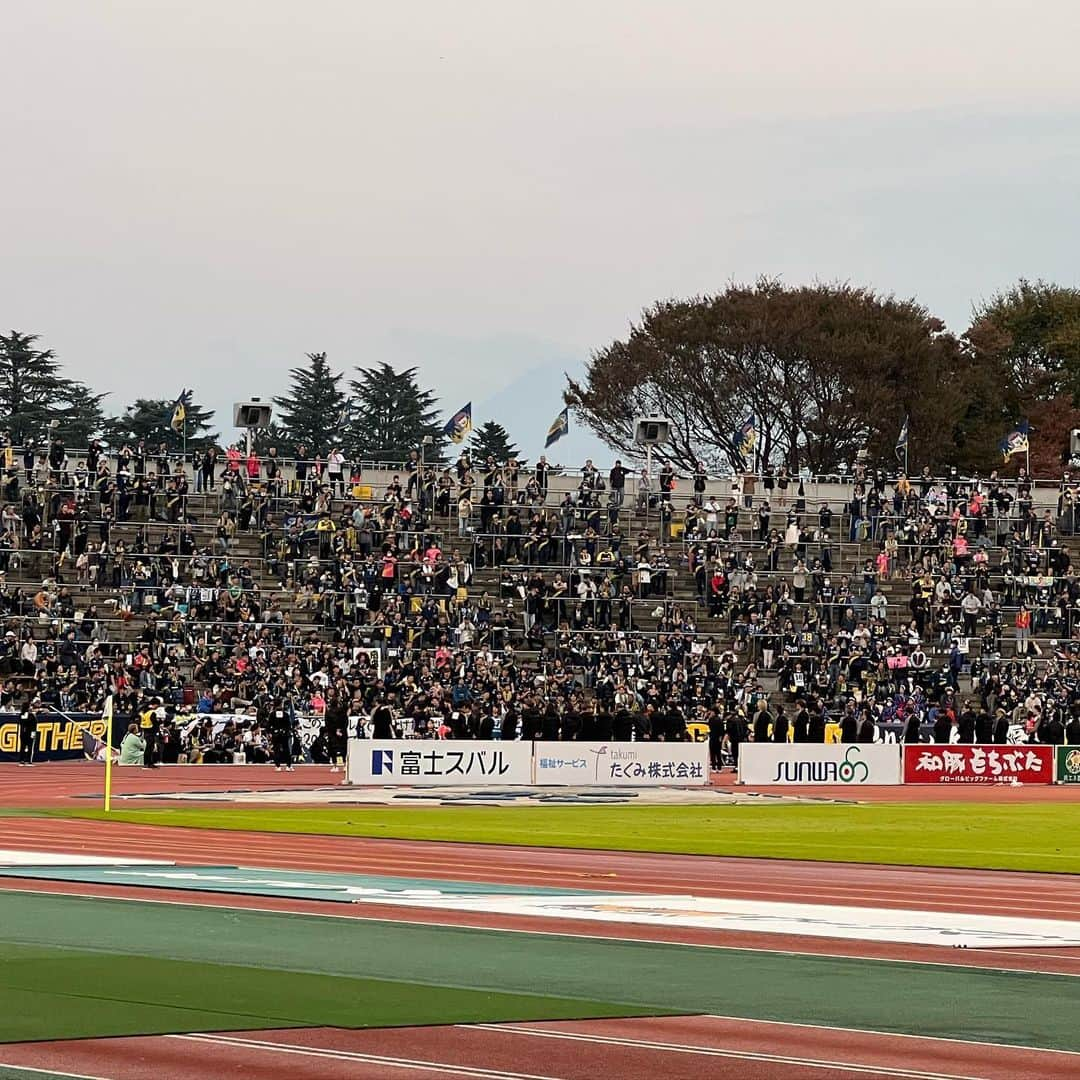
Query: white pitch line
[(715, 1051), (328, 1054)]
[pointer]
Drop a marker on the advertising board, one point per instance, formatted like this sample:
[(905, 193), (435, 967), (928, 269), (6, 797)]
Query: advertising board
[(964, 764), (621, 764), (856, 764), (1067, 764), (59, 736), (435, 762)]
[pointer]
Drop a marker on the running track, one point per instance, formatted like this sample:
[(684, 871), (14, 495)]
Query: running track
[(688, 1047)]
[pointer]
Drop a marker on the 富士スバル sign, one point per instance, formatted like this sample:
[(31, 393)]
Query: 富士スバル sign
[(819, 763), (963, 764), (435, 762), (621, 764), (1067, 764)]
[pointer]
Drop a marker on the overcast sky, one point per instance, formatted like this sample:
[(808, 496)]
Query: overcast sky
[(199, 193)]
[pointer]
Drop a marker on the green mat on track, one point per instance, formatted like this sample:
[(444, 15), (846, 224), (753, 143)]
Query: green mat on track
[(546, 972), (58, 993), (13, 1072)]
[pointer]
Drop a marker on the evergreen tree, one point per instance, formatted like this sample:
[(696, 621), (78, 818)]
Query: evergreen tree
[(262, 439), (313, 413), (491, 439), (390, 416), (34, 395), (149, 419)]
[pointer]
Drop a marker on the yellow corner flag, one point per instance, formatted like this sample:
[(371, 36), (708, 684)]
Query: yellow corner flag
[(106, 715)]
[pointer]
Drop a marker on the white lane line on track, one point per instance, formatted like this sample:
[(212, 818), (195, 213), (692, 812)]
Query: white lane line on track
[(52, 1072), (328, 1054), (982, 1045), (218, 898), (823, 1064)]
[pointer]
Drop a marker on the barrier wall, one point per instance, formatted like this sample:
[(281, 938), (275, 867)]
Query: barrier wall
[(621, 764), (962, 764), (433, 762), (819, 763)]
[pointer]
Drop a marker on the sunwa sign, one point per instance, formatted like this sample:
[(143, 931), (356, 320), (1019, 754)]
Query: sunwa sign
[(838, 764)]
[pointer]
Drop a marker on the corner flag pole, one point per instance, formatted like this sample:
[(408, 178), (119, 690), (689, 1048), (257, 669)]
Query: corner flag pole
[(107, 716)]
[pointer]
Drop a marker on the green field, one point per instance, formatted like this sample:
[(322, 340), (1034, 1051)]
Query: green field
[(1031, 836), (72, 966)]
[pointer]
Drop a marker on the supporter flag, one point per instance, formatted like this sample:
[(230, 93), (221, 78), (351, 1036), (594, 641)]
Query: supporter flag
[(1016, 442), (560, 426), (460, 424), (902, 440), (343, 417), (179, 411), (746, 438), (306, 525)]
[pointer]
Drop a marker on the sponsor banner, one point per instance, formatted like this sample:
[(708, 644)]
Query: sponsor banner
[(59, 736), (1067, 764), (963, 764), (819, 763), (433, 762), (621, 764)]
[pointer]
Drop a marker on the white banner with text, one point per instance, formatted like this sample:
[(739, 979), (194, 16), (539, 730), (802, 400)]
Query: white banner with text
[(819, 763), (621, 764), (435, 762)]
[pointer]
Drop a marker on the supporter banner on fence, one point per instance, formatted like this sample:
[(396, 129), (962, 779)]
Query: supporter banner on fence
[(819, 763), (621, 764), (435, 762), (962, 764), (1067, 764), (59, 736)]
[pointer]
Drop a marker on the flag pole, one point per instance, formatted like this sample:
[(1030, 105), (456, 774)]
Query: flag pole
[(106, 715)]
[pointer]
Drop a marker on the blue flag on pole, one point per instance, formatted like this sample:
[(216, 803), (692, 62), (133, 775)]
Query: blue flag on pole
[(460, 424), (902, 440), (1016, 442), (178, 417), (560, 426), (746, 438)]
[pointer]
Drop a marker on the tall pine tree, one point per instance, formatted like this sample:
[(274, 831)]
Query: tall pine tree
[(391, 415), (312, 413), (33, 395), (491, 439)]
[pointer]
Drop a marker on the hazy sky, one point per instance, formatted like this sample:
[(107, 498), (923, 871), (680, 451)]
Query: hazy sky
[(199, 193)]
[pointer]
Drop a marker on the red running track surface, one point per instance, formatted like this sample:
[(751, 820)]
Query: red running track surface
[(691, 1048)]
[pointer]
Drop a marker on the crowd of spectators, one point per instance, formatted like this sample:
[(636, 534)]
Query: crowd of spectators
[(499, 607)]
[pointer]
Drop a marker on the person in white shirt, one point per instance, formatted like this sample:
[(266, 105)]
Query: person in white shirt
[(335, 467)]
